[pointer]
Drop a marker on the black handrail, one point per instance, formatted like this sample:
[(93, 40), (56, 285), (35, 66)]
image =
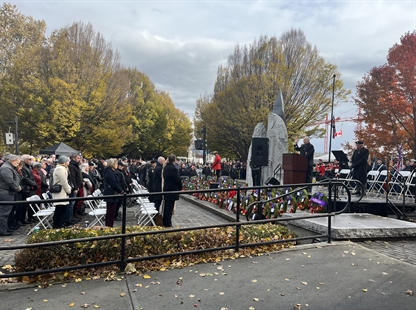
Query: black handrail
[(123, 260)]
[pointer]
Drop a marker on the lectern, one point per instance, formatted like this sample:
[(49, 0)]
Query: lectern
[(295, 167)]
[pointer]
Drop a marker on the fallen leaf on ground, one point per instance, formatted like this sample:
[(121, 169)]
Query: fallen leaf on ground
[(139, 285), (45, 300), (286, 279), (146, 276), (122, 294), (255, 299), (304, 283), (191, 296), (365, 290), (85, 306), (72, 304), (409, 292), (254, 281), (297, 306), (221, 293)]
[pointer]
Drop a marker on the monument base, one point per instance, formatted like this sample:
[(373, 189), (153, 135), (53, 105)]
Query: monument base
[(356, 226)]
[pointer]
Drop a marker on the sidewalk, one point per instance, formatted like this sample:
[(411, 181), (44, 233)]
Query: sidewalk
[(338, 276)]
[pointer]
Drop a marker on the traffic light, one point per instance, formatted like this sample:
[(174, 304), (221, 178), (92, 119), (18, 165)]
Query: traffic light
[(199, 144)]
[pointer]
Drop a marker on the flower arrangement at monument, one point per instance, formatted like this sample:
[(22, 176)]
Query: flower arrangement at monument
[(318, 203), (287, 200)]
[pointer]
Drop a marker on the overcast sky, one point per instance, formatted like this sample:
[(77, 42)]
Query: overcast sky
[(180, 44)]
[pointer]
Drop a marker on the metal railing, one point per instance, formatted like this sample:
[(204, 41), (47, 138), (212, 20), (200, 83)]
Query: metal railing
[(332, 189)]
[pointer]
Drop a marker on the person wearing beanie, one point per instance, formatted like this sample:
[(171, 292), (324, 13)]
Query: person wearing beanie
[(60, 177)]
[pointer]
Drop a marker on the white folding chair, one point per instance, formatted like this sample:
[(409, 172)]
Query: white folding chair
[(98, 213), (48, 205), (43, 215), (379, 183), (410, 185), (398, 182), (99, 203), (372, 176), (146, 215)]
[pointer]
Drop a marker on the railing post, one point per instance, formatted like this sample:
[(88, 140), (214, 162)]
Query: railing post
[(237, 219), (329, 209), (123, 231)]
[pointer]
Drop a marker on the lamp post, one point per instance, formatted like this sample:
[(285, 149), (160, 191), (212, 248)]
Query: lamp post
[(204, 141), (331, 134)]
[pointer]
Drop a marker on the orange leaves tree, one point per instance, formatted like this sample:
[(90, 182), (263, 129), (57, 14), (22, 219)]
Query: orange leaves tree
[(387, 98)]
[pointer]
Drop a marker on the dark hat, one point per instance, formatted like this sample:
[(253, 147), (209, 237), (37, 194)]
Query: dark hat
[(153, 161), (123, 158), (120, 163), (359, 142), (91, 164)]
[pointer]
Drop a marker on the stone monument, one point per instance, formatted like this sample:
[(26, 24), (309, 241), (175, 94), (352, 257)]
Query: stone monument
[(278, 143)]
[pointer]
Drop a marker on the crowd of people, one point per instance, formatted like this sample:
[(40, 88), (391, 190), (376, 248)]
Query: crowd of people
[(24, 176)]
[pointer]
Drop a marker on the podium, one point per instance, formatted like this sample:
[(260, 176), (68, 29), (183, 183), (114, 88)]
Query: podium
[(295, 167)]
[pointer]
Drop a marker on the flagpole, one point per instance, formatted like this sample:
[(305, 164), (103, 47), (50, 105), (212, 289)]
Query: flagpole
[(331, 136)]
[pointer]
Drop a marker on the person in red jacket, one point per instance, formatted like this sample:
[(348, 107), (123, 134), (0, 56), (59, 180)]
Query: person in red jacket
[(320, 169), (216, 165)]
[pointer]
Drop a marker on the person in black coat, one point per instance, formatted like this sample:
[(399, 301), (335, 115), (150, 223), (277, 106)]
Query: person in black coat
[(359, 165), (157, 182), (111, 187), (171, 183), (307, 150)]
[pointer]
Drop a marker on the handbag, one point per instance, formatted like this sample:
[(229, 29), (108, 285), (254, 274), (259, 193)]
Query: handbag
[(158, 220), (55, 188)]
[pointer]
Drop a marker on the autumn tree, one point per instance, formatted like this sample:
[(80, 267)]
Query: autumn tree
[(71, 87), (387, 98), (159, 128), (247, 86), (21, 41)]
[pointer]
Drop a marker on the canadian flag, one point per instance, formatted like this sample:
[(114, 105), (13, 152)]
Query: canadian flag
[(338, 134)]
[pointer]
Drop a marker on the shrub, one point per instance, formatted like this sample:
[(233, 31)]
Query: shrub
[(87, 252)]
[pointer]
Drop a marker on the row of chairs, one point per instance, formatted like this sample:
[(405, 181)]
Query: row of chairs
[(145, 210), (400, 182)]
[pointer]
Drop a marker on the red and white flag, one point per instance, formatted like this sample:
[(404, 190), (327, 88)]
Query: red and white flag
[(338, 134)]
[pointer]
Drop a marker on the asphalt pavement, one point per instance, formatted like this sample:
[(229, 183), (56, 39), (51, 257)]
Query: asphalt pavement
[(339, 276)]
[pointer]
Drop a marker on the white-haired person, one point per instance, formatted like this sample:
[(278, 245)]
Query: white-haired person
[(9, 186), (60, 177)]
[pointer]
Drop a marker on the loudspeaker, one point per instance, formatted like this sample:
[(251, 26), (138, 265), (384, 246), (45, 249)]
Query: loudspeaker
[(260, 152), (272, 181)]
